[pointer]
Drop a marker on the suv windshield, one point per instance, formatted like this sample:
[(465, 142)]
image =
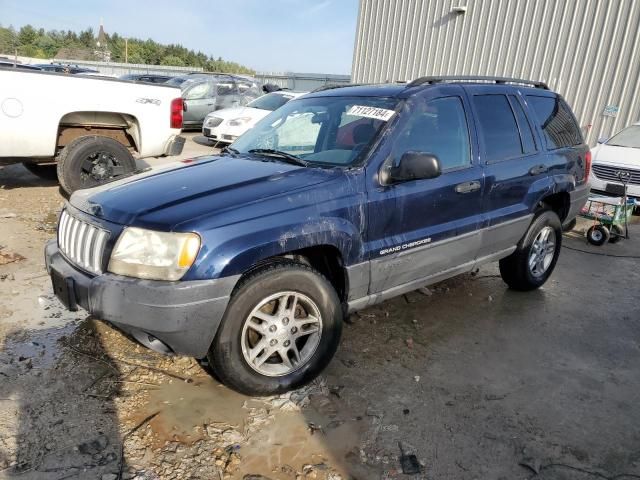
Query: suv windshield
[(270, 101), (322, 130), (629, 137)]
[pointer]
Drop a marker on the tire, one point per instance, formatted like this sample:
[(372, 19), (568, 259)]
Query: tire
[(236, 340), (46, 171), (598, 235), (93, 160), (616, 234), (541, 249), (567, 227)]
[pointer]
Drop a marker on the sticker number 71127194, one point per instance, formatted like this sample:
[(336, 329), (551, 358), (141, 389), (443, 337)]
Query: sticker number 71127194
[(371, 112)]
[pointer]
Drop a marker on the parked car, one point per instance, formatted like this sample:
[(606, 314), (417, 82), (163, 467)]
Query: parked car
[(62, 68), (252, 258), (228, 124), (146, 77), (205, 93), (82, 137), (618, 155), (21, 66)]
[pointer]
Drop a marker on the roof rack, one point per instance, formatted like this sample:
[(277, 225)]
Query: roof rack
[(470, 78), (331, 86)]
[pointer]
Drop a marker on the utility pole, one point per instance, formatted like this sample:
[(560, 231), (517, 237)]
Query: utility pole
[(126, 50)]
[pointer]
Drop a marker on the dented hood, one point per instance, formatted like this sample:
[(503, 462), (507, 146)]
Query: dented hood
[(164, 198)]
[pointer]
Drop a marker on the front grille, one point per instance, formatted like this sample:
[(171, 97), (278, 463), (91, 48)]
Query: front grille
[(214, 121), (82, 243), (610, 173)]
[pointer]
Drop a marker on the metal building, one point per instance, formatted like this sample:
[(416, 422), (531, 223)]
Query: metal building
[(587, 50)]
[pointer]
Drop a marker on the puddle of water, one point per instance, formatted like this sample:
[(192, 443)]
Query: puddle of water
[(41, 348), (185, 406), (289, 441)]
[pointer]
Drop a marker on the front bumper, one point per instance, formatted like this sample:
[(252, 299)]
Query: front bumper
[(600, 186), (215, 134), (183, 315)]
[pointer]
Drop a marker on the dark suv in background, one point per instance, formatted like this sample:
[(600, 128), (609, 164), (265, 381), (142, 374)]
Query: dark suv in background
[(336, 201)]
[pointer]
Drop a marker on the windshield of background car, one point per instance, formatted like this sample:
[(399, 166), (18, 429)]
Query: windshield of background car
[(335, 131), (176, 81), (270, 101), (629, 137)]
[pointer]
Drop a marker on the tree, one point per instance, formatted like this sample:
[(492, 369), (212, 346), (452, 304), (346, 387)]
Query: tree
[(27, 35), (172, 60), (86, 38), (39, 43)]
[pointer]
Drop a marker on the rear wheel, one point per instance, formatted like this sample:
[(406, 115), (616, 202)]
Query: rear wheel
[(598, 235), (93, 160), (46, 171), (281, 328), (536, 255)]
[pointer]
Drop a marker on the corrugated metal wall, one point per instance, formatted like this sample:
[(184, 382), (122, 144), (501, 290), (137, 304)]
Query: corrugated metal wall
[(588, 50)]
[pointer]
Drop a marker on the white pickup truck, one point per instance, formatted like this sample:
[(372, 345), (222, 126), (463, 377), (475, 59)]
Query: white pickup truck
[(85, 130)]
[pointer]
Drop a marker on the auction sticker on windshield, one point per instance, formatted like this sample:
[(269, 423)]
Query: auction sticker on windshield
[(371, 112)]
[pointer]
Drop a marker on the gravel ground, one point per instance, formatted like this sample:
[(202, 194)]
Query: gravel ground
[(474, 380)]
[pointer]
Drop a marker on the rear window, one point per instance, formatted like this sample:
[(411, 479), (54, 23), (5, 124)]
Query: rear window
[(498, 127), (556, 121)]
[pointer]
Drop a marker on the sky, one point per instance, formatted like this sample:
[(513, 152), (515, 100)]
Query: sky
[(308, 36)]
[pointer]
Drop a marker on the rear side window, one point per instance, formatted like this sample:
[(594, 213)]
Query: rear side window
[(526, 133), (556, 121), (498, 127)]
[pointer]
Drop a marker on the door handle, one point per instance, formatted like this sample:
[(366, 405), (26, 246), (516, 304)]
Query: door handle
[(538, 169), (468, 187)]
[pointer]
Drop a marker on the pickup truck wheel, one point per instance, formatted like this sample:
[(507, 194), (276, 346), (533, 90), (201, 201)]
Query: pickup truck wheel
[(281, 328), (536, 255), (46, 172), (92, 160)]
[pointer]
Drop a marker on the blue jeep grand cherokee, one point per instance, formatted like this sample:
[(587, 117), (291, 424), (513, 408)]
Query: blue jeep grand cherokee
[(340, 199)]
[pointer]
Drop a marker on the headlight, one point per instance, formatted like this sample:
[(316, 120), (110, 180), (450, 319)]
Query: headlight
[(154, 255), (234, 122)]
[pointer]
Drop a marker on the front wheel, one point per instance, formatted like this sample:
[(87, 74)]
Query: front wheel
[(598, 235), (536, 255), (281, 328)]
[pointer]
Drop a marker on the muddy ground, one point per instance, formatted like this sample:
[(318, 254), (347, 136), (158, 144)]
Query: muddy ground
[(476, 381)]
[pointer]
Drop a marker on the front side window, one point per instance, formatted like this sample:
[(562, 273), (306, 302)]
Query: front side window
[(629, 137), (556, 121), (438, 127), (497, 127), (310, 129), (198, 91), (225, 88)]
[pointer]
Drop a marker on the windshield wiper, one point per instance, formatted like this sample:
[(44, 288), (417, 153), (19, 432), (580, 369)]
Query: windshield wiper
[(287, 157), (229, 150)]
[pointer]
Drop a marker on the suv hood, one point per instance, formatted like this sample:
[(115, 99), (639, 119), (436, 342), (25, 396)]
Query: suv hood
[(163, 198), (236, 112)]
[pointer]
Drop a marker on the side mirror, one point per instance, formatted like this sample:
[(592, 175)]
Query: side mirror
[(184, 105), (412, 166), (602, 140)]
